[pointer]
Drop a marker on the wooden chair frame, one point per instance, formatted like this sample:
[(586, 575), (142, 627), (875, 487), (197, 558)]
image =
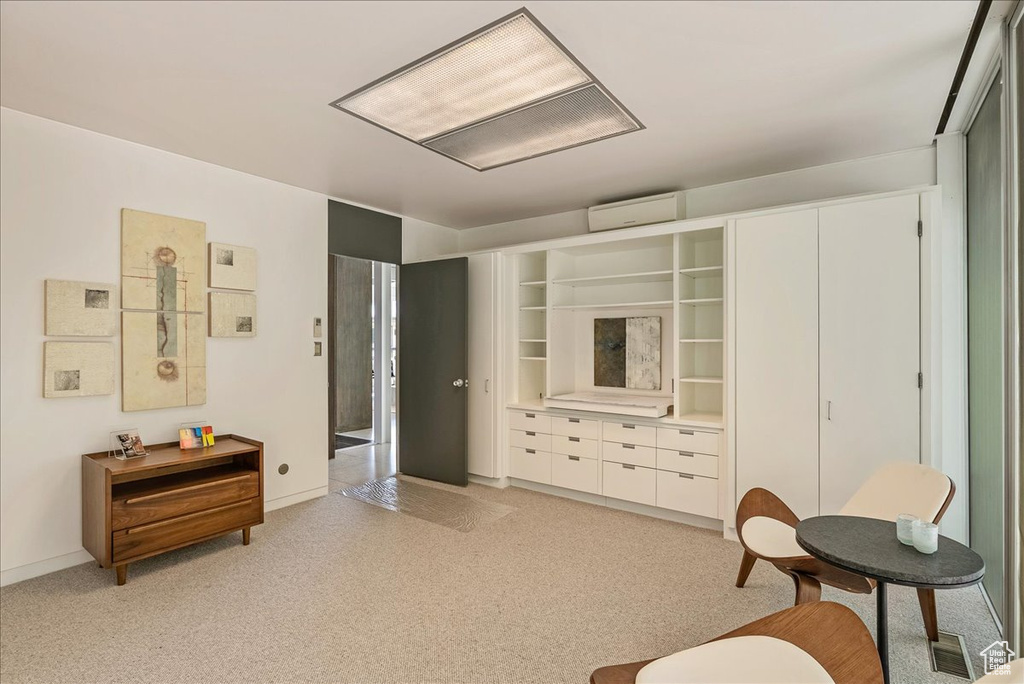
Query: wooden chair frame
[(830, 633), (809, 573)]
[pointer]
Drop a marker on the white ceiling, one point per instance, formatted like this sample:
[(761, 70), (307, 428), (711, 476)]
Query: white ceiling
[(727, 90)]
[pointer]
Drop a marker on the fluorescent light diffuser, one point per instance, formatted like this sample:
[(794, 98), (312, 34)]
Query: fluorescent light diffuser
[(505, 93)]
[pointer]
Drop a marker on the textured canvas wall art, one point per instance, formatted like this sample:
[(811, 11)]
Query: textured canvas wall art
[(232, 267), (163, 262), (78, 369), (232, 315), (627, 352), (163, 360), (75, 308)]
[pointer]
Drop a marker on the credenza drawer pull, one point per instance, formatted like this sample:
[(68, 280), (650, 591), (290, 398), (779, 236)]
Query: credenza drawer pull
[(574, 458), (531, 434), (686, 432), (688, 454), (628, 446), (190, 488), (172, 521), (627, 426), (534, 415), (574, 420), (688, 477), (628, 467), (531, 451), (574, 439)]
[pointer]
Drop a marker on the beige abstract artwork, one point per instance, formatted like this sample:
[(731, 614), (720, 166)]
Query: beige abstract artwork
[(75, 308), (78, 369), (163, 360), (232, 267), (232, 315), (163, 262)]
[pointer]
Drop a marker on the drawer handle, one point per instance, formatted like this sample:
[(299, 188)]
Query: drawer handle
[(150, 526), (574, 420), (688, 454), (628, 467), (574, 439), (686, 432), (531, 451), (531, 415), (531, 434), (190, 488), (688, 477), (626, 426), (628, 446), (574, 458)]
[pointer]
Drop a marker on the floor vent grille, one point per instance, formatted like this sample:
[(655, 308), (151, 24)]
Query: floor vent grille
[(949, 656)]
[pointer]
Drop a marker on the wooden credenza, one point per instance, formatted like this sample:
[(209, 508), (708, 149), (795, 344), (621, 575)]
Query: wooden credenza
[(137, 508)]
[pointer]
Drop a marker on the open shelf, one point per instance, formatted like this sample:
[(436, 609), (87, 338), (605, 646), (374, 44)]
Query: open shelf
[(617, 305), (703, 301), (533, 283), (534, 340), (533, 358), (533, 308), (701, 418), (701, 271), (702, 378), (662, 276), (707, 340)]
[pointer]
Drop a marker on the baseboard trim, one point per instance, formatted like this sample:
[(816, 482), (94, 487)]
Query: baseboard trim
[(496, 482), (291, 499), (585, 497), (44, 567)]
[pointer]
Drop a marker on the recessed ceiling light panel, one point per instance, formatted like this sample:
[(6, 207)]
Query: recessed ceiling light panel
[(505, 93)]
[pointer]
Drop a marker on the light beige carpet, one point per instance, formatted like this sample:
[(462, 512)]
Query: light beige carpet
[(337, 590)]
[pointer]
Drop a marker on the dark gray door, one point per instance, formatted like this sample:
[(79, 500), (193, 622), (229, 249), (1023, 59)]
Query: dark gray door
[(432, 365)]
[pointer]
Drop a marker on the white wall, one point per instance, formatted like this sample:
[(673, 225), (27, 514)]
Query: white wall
[(422, 241), (60, 201), (882, 173)]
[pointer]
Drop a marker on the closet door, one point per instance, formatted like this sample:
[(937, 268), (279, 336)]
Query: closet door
[(776, 333), (482, 307), (870, 349)]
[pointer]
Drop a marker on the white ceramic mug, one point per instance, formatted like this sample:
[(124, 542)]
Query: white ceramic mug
[(926, 536)]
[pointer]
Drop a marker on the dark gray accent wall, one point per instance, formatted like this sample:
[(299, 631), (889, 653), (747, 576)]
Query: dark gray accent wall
[(363, 233), (351, 340)]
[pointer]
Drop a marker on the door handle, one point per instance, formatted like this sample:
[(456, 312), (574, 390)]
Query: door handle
[(487, 386), (459, 382), (828, 410)]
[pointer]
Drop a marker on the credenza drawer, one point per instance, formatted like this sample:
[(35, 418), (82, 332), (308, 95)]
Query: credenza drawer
[(574, 446), (688, 462), (685, 439), (688, 494), (166, 534), (530, 440), (574, 472), (532, 422), (629, 433), (629, 483), (630, 453), (530, 464), (139, 509), (575, 427)]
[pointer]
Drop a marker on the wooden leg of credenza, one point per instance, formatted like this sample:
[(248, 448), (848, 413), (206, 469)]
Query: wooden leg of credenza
[(245, 535), (122, 574)]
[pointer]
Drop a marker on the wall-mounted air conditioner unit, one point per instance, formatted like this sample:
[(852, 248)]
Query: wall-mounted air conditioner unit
[(641, 211)]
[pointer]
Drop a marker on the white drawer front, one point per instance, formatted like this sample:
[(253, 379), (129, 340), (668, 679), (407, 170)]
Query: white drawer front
[(530, 440), (630, 453), (630, 483), (574, 446), (688, 494), (527, 464), (688, 462), (629, 433), (685, 439), (532, 422), (573, 472), (575, 427)]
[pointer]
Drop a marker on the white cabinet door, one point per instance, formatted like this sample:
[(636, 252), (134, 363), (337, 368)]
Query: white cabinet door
[(870, 342), (776, 300), (482, 447)]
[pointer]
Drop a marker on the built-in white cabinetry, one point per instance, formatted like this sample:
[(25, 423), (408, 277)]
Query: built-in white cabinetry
[(484, 346), (827, 349)]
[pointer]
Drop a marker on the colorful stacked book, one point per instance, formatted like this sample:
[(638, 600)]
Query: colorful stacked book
[(195, 437)]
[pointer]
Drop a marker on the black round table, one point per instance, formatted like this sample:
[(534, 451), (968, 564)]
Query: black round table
[(869, 547)]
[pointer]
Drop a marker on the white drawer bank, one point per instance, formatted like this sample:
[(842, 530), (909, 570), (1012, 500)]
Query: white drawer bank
[(660, 464)]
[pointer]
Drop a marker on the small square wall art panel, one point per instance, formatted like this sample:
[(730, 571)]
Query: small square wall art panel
[(163, 358), (627, 352), (78, 369), (232, 267), (232, 315), (163, 262), (75, 308)]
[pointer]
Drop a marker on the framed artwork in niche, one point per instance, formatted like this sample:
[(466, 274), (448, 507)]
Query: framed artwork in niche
[(232, 314), (78, 369), (627, 352), (163, 263), (76, 308), (163, 360), (232, 267)]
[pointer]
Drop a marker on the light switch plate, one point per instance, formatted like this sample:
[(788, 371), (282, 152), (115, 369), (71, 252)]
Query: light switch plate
[(318, 349), (317, 328)]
